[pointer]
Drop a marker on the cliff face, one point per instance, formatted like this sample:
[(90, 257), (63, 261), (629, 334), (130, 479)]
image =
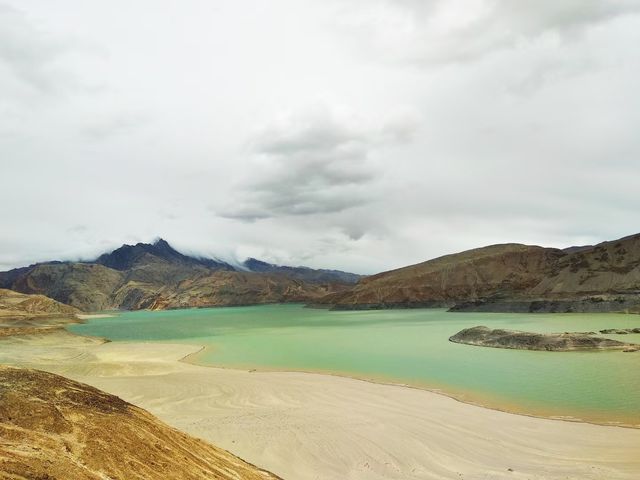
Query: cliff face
[(158, 277), (604, 277), (55, 428)]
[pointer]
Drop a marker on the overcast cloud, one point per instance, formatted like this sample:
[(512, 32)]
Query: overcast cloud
[(315, 161), (357, 134)]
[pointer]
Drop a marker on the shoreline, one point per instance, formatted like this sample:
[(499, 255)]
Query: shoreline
[(444, 390), (338, 427), (189, 359), (91, 316)]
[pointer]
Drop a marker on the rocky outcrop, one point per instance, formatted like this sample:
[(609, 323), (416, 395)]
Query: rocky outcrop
[(55, 428), (620, 331), (557, 342), (509, 277), (156, 276)]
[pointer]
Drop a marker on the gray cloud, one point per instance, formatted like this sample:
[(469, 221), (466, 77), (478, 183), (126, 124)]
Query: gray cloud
[(111, 125), (455, 124), (436, 32), (28, 54), (314, 161)]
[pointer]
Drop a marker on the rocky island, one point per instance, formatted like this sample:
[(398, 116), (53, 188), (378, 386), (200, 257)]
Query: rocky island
[(620, 331), (557, 342)]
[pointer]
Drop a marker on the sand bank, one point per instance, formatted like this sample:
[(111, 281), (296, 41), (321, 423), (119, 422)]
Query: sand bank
[(89, 316), (308, 426)]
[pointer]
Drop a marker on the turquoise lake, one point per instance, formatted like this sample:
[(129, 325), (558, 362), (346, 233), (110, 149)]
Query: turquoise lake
[(409, 347)]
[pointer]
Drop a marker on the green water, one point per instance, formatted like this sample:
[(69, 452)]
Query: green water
[(412, 347)]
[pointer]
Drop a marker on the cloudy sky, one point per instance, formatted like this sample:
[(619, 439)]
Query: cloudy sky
[(354, 134)]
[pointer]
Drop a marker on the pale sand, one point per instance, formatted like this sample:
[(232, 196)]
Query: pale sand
[(307, 426)]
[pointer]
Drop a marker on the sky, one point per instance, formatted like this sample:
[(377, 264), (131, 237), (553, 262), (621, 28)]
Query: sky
[(362, 135)]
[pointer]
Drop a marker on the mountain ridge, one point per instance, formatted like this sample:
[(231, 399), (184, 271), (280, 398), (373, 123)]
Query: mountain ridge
[(508, 277), (156, 276), (127, 256)]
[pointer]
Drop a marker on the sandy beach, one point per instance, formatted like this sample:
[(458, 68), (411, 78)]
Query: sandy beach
[(310, 426)]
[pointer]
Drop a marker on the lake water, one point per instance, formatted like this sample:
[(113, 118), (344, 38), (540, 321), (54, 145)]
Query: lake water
[(410, 347)]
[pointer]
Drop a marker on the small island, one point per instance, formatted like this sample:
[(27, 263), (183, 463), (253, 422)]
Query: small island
[(557, 342), (620, 331)]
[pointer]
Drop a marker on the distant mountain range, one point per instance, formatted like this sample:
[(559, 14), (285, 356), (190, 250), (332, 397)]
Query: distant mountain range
[(302, 273), (497, 278), (509, 278), (156, 276)]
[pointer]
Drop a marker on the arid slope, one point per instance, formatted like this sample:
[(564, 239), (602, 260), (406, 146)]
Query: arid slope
[(510, 277), (443, 281), (15, 304), (22, 314), (55, 428)]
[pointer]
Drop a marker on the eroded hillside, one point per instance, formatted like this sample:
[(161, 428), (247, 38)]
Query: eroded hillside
[(510, 277), (57, 429)]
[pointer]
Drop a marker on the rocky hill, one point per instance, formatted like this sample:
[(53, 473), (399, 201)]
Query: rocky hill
[(56, 429), (22, 314), (510, 277), (14, 304), (156, 276)]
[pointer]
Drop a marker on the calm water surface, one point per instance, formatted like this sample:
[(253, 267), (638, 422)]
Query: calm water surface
[(412, 347)]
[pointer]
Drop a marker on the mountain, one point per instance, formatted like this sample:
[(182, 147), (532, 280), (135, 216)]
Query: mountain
[(129, 256), (55, 428), (156, 276), (302, 273), (510, 277)]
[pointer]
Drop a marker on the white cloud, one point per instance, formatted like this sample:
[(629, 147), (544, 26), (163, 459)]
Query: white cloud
[(453, 124), (314, 161), (436, 32)]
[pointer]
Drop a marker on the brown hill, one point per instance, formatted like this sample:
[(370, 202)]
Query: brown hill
[(54, 428), (15, 304), (509, 277), (22, 314)]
